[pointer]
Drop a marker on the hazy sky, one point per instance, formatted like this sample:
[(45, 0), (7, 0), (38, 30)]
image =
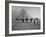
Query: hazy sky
[(30, 11)]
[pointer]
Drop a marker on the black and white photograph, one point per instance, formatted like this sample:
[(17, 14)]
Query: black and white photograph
[(25, 18)]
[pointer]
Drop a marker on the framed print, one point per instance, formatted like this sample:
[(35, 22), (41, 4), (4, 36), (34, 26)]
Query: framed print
[(24, 18)]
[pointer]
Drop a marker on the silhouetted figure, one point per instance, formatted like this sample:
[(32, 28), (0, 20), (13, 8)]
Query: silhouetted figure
[(31, 19), (26, 19), (37, 20), (34, 21), (17, 19), (22, 20)]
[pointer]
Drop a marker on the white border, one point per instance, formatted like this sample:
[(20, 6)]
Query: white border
[(24, 31)]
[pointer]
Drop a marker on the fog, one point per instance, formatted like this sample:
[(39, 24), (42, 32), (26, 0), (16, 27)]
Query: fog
[(29, 11)]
